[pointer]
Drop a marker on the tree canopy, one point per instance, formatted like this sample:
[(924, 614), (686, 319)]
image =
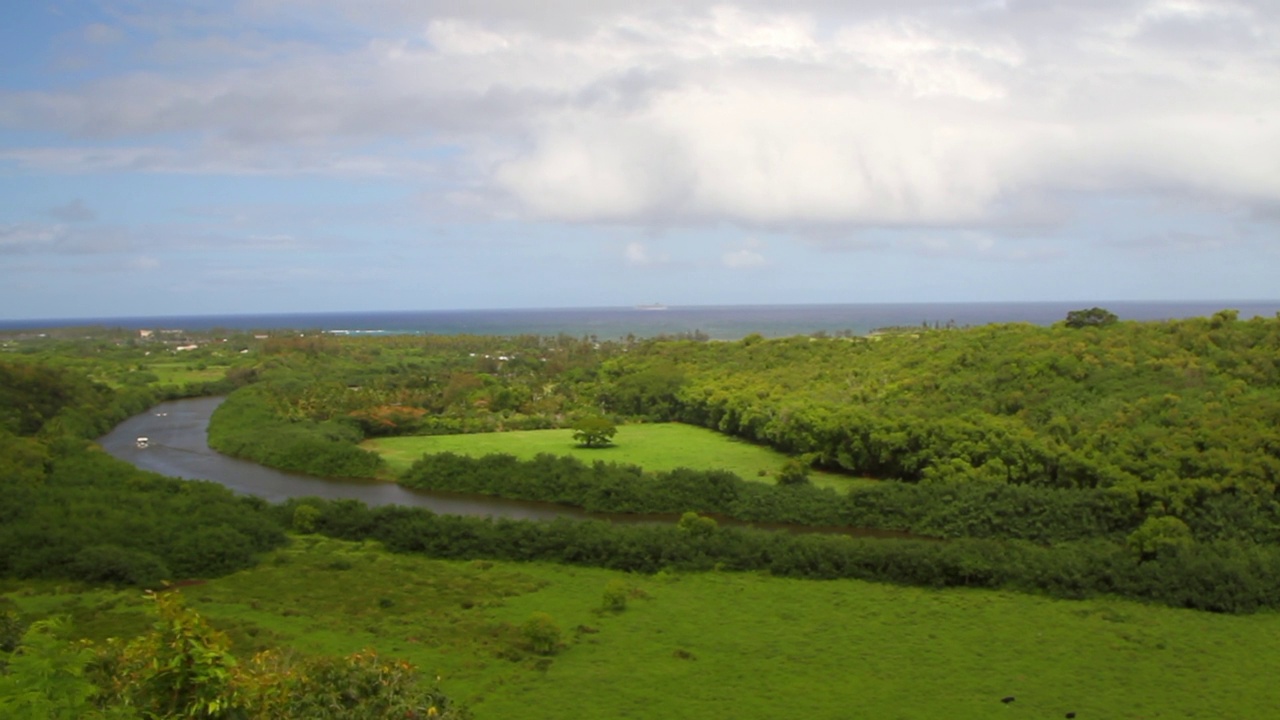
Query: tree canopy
[(1093, 317), (594, 431)]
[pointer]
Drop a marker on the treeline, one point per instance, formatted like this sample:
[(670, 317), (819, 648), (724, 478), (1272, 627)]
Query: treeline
[(432, 383), (952, 511), (1219, 577), (68, 510), (42, 402)]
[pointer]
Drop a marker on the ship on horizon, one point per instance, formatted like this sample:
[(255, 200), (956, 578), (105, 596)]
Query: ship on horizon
[(652, 306)]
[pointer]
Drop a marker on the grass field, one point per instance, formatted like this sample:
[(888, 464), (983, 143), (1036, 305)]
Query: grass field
[(653, 446), (720, 645), (179, 373), (167, 372)]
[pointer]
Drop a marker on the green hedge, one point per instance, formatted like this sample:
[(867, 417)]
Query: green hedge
[(979, 510), (1218, 577)]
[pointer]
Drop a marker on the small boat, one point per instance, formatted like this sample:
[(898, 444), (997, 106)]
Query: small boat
[(654, 306)]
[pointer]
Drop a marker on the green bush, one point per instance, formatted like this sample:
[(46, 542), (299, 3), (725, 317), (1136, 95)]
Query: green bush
[(117, 565), (304, 519), (615, 596), (794, 472), (541, 633)]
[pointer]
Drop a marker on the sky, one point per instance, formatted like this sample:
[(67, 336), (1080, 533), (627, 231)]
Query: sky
[(256, 156)]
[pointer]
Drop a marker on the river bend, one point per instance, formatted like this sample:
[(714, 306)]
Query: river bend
[(177, 446)]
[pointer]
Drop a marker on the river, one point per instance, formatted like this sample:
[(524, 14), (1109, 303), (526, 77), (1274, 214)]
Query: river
[(177, 445), (177, 435)]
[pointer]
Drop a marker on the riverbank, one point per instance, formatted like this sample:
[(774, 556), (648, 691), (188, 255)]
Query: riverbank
[(177, 433)]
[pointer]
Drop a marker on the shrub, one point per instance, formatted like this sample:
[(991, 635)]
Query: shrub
[(46, 678), (615, 596), (1158, 536), (122, 566), (304, 519), (541, 634), (211, 551), (697, 525), (794, 472)]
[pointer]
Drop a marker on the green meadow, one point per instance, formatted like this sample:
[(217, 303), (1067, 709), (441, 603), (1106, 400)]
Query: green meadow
[(721, 645), (160, 373), (179, 373), (653, 446)]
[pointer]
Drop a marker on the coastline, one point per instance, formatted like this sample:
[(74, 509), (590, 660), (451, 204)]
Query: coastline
[(717, 322)]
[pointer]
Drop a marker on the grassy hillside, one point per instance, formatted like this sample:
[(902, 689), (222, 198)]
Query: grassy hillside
[(653, 446), (727, 645)]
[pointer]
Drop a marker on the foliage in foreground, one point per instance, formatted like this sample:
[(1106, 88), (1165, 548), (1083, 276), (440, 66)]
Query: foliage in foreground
[(183, 668), (773, 646)]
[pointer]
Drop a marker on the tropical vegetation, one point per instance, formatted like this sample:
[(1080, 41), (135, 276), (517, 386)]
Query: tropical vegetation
[(1093, 459)]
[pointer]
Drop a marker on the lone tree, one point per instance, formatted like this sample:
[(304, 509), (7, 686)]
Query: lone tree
[(594, 431), (1093, 317)]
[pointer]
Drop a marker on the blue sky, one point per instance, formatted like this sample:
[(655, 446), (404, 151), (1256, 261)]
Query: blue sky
[(323, 155)]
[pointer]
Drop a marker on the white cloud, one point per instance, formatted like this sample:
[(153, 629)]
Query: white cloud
[(951, 244), (457, 37), (975, 245), (637, 254), (857, 115), (742, 258), (23, 237)]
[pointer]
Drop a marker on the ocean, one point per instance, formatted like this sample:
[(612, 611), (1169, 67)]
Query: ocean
[(716, 322)]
